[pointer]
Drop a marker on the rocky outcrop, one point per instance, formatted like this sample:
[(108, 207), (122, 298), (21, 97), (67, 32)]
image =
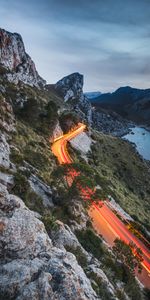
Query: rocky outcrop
[(82, 142), (18, 63), (63, 237), (4, 152), (71, 89), (7, 122), (7, 119), (56, 132), (41, 189), (30, 266)]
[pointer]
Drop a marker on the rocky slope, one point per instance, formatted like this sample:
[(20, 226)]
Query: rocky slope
[(18, 63), (39, 263), (31, 266), (48, 248)]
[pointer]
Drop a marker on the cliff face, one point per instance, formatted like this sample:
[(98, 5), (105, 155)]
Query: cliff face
[(18, 63), (71, 89)]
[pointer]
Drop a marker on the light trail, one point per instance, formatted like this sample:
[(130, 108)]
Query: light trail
[(113, 223)]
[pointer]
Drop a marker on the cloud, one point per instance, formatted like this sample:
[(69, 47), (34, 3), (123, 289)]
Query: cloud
[(108, 41)]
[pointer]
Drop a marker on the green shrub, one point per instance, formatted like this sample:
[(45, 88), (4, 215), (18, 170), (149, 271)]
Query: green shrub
[(21, 185), (91, 242), (80, 256), (100, 287), (49, 222), (16, 157), (68, 120), (146, 292), (132, 289), (23, 190)]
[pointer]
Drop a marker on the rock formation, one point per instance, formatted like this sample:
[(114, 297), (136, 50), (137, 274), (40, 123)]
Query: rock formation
[(18, 63), (71, 89)]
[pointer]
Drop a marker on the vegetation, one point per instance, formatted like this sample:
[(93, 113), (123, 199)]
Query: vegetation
[(33, 148), (116, 270), (147, 293), (91, 242), (22, 189), (127, 180), (80, 256), (50, 222), (68, 120), (100, 287), (82, 181), (109, 165), (130, 256)]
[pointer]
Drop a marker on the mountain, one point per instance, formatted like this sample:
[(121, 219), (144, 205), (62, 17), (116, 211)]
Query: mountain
[(18, 63), (71, 89), (91, 95), (131, 103), (49, 248)]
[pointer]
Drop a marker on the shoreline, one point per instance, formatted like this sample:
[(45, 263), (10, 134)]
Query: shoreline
[(147, 161)]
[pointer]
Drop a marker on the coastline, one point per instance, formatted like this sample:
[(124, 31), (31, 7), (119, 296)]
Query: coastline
[(135, 144)]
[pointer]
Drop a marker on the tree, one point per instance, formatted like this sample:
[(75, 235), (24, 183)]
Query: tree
[(129, 255), (51, 110)]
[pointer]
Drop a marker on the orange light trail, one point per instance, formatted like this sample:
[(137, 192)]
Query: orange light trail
[(114, 225)]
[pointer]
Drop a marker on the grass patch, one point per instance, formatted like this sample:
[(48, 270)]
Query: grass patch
[(125, 176)]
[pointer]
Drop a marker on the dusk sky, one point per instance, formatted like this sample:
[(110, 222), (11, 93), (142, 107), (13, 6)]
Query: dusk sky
[(106, 40)]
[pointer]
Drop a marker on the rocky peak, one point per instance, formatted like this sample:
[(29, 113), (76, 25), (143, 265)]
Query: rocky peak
[(70, 87), (18, 63)]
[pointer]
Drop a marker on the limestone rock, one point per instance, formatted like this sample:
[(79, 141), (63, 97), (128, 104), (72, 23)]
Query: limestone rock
[(4, 152), (71, 89), (41, 189), (18, 63), (30, 266), (82, 142), (56, 132), (7, 120)]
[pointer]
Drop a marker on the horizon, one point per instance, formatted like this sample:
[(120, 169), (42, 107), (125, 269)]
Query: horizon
[(107, 43)]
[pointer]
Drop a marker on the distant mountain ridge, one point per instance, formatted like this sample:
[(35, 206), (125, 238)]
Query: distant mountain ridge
[(91, 95), (131, 103)]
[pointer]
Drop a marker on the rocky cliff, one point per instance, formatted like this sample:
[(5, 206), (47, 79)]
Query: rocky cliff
[(31, 266), (18, 63), (48, 247), (71, 89)]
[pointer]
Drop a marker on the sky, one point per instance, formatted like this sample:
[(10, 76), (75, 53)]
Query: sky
[(108, 41)]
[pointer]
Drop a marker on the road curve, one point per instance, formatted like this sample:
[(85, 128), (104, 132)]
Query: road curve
[(104, 220), (59, 145)]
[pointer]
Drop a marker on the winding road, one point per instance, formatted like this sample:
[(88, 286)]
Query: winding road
[(104, 220)]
